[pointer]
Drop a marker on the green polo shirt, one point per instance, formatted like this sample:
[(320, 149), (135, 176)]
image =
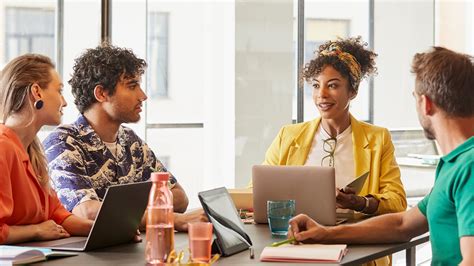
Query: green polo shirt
[(449, 207)]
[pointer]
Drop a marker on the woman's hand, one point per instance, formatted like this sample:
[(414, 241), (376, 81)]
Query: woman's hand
[(306, 230), (346, 199), (49, 230)]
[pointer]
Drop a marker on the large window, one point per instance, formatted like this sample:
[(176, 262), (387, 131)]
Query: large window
[(33, 27), (29, 30), (157, 54), (27, 27)]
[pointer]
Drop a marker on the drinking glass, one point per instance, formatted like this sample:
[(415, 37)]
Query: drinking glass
[(279, 213), (200, 241)]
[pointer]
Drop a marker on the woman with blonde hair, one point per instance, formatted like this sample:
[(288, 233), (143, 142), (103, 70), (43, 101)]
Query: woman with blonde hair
[(30, 97)]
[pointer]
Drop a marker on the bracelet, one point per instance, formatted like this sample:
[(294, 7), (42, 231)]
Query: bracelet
[(367, 204)]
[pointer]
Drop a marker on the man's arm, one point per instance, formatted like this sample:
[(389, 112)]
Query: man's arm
[(69, 176), (467, 250), (181, 220), (180, 200), (87, 209), (388, 228), (77, 226)]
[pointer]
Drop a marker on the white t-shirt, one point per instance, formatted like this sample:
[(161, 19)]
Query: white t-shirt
[(343, 155)]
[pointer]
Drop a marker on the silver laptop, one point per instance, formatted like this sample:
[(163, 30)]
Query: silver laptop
[(312, 187), (117, 221)]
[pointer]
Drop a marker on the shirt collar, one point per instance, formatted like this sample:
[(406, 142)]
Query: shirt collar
[(467, 145), (324, 135), (85, 129), (9, 133)]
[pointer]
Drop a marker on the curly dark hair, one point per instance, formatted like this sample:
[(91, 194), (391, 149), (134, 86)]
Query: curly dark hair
[(354, 46), (103, 65)]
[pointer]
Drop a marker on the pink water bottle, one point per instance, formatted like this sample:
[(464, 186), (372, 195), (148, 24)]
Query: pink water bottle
[(160, 220)]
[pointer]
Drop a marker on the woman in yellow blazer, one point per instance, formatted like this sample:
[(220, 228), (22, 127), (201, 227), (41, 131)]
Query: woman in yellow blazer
[(373, 153), (337, 139)]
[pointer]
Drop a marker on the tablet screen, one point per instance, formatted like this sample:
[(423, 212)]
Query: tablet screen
[(229, 230)]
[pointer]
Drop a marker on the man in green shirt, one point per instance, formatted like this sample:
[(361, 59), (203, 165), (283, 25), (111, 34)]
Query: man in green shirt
[(444, 94)]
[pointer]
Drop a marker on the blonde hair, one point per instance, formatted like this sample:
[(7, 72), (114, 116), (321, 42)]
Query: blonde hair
[(16, 80)]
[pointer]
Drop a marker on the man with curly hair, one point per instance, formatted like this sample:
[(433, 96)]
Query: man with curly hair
[(97, 151), (444, 95)]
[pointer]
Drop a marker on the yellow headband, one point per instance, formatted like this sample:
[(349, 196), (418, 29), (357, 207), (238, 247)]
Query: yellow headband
[(346, 58)]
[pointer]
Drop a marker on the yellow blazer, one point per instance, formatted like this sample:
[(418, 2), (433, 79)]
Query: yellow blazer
[(373, 152)]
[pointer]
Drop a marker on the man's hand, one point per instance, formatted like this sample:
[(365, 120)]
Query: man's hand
[(181, 220), (305, 229), (137, 238)]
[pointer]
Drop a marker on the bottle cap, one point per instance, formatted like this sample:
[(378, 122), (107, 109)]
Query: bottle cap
[(160, 176)]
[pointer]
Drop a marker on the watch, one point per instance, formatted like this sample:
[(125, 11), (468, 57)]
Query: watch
[(367, 204)]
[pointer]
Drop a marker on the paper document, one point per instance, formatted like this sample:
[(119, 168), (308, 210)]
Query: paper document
[(304, 253)]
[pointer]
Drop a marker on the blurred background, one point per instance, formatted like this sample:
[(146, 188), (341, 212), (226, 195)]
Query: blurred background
[(222, 75)]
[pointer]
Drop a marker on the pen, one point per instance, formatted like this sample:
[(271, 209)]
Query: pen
[(251, 254), (277, 244)]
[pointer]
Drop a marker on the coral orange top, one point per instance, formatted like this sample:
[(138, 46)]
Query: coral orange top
[(23, 200)]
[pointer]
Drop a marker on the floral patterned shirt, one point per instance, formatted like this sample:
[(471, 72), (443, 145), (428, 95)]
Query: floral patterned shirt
[(81, 166)]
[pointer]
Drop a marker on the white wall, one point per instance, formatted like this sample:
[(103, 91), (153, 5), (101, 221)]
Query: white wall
[(455, 25), (264, 74), (402, 28)]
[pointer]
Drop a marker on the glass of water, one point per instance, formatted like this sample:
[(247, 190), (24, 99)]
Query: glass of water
[(279, 213)]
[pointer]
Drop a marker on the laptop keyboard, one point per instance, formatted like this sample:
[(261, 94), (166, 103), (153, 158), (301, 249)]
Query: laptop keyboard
[(79, 244)]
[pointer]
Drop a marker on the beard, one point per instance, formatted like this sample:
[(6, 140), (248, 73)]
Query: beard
[(427, 128), (429, 134)]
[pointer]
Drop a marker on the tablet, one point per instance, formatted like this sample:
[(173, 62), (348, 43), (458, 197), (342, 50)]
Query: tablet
[(228, 228), (358, 183)]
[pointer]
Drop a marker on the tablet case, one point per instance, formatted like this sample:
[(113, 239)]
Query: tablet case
[(228, 228)]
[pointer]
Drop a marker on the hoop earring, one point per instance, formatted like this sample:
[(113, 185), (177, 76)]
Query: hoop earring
[(38, 104)]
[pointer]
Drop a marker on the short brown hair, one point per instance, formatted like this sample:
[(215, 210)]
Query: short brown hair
[(447, 78)]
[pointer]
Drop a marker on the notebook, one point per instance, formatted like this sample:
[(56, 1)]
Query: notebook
[(13, 255), (312, 187), (116, 223), (304, 253)]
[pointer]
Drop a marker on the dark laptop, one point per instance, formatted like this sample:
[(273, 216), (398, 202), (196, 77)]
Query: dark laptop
[(117, 221)]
